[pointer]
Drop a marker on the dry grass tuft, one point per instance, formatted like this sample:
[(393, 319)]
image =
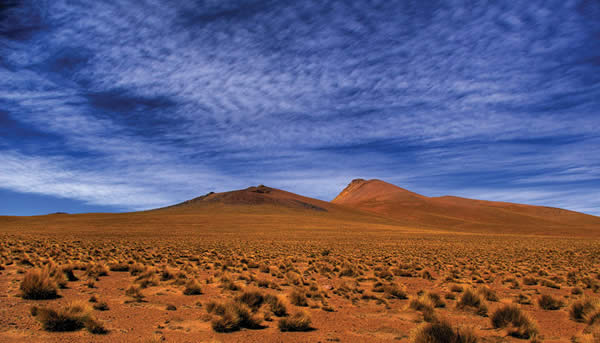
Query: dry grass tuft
[(253, 299), (299, 321), (192, 287), (135, 292), (581, 309), (277, 306), (233, 316), (471, 299), (298, 298), (37, 284), (442, 332), (521, 325), (547, 302), (73, 317)]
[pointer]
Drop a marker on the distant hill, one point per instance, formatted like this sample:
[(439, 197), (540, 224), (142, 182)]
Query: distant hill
[(364, 207), (255, 196), (462, 214)]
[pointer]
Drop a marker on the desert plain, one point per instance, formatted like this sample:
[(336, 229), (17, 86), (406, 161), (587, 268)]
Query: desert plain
[(377, 264)]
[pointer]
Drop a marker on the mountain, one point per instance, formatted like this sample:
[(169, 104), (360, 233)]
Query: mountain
[(255, 196), (259, 210), (365, 207), (462, 214)]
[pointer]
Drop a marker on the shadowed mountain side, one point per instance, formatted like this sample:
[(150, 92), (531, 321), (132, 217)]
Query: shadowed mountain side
[(461, 214), (253, 196), (261, 211)]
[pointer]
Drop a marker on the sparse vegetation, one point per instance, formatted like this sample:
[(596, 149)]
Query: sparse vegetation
[(299, 321), (37, 284), (442, 332), (520, 325), (233, 316), (548, 302), (192, 287), (252, 284), (73, 317), (472, 300), (581, 309)]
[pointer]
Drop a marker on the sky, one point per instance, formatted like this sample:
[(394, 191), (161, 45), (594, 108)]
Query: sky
[(128, 105)]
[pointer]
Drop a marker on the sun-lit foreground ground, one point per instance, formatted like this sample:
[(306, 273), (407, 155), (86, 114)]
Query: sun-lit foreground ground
[(285, 283)]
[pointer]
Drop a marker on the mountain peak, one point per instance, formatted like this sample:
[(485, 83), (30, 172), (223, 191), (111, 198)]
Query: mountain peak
[(359, 190)]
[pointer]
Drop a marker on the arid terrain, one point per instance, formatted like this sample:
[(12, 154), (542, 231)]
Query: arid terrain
[(377, 264)]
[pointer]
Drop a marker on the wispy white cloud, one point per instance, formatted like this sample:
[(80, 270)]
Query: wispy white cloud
[(159, 100)]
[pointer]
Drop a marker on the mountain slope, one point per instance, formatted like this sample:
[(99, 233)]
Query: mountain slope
[(255, 210), (255, 196), (461, 214)]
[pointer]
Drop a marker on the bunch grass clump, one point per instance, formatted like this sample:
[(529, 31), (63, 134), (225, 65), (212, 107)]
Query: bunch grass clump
[(38, 284), (442, 332), (72, 317), (233, 316), (253, 299), (192, 287), (299, 321), (520, 324), (472, 300), (582, 309), (548, 302)]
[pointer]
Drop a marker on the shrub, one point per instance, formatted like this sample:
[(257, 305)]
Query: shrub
[(192, 287), (277, 306), (521, 325), (505, 316), (593, 336), (582, 308), (442, 332), (234, 316), (37, 284), (488, 294), (94, 271), (95, 326), (470, 299), (214, 307), (593, 317), (253, 299), (426, 305), (298, 298), (135, 292), (524, 299), (70, 318), (299, 321), (436, 299), (68, 272), (166, 275), (147, 279), (101, 306), (118, 267), (547, 302), (394, 291)]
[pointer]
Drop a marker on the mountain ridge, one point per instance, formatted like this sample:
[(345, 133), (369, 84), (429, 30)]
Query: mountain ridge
[(363, 205), (454, 212)]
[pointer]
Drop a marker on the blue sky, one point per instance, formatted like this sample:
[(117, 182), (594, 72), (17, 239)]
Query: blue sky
[(128, 105)]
